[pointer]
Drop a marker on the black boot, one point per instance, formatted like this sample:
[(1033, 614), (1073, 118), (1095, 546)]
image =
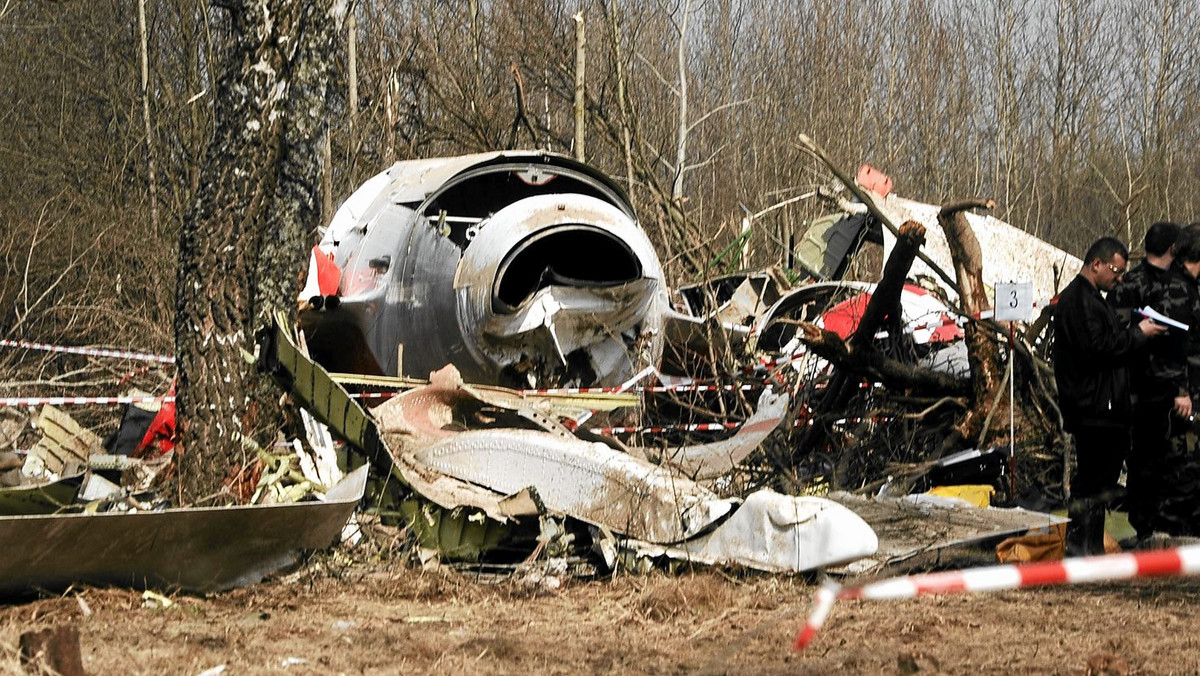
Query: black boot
[(1085, 532)]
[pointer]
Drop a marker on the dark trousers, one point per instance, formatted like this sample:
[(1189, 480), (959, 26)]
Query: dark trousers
[(1100, 449), (1146, 463)]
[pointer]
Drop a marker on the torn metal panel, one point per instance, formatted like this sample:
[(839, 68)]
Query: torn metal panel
[(709, 461), (64, 445), (1009, 252), (201, 549), (779, 534), (735, 298), (689, 336), (586, 480), (914, 525), (40, 498), (555, 404), (520, 267), (316, 391), (559, 403), (823, 251), (456, 534), (313, 387)]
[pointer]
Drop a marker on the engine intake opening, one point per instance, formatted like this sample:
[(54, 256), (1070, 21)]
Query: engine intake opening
[(572, 255)]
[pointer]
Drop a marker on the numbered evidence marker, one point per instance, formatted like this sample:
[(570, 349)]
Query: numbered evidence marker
[(1014, 302)]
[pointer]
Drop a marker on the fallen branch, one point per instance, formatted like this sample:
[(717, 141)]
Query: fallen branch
[(808, 145), (870, 364)]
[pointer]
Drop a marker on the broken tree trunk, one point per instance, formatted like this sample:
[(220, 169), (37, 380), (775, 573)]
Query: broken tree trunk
[(882, 310), (884, 306), (243, 241), (870, 364), (983, 353)]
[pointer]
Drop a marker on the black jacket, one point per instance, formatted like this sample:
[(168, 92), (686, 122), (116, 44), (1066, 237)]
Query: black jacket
[(1091, 352), (1159, 372)]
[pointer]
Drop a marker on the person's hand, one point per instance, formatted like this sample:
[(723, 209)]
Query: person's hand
[(1183, 406), (1152, 328)]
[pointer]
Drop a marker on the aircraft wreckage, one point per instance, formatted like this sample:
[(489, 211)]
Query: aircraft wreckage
[(529, 269), (452, 281), (521, 268)]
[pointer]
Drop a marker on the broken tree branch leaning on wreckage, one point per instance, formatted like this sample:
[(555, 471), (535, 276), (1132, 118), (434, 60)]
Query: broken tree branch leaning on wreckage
[(983, 335)]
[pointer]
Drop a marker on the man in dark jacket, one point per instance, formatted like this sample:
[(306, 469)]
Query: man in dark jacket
[(1158, 376), (1177, 484), (1092, 349)]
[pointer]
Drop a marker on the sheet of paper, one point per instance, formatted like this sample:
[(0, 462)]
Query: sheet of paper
[(1161, 318)]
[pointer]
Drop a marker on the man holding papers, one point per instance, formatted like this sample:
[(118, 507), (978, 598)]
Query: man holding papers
[(1092, 351)]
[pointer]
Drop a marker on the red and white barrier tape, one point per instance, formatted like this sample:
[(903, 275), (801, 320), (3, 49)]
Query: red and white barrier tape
[(625, 386), (372, 395), (70, 401), (91, 352), (1158, 563), (697, 427), (141, 370), (650, 388)]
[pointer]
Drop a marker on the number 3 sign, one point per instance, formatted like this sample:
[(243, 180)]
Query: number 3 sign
[(1014, 302)]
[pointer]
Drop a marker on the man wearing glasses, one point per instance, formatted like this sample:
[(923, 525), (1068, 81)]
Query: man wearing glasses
[(1092, 350)]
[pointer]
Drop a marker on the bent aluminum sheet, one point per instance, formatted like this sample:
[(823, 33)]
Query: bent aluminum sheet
[(202, 549), (709, 461), (42, 498), (780, 534), (587, 480)]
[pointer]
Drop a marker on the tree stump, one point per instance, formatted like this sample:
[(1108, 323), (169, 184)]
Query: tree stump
[(53, 650)]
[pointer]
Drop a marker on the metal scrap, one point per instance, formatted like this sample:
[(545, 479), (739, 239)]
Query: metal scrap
[(200, 549)]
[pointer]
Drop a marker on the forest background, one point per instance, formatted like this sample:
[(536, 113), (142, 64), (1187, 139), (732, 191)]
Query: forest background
[(1081, 118)]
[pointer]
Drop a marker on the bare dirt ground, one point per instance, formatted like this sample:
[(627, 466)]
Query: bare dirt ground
[(393, 619)]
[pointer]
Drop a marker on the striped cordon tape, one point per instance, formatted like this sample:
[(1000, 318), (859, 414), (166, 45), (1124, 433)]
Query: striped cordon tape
[(598, 390), (651, 388), (1104, 568), (697, 427), (89, 351), (70, 401)]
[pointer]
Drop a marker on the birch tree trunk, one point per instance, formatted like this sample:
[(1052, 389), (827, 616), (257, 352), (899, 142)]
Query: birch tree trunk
[(145, 63), (580, 73), (243, 243), (681, 132)]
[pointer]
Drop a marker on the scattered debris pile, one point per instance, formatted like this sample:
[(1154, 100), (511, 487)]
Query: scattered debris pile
[(577, 411), (85, 510)]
